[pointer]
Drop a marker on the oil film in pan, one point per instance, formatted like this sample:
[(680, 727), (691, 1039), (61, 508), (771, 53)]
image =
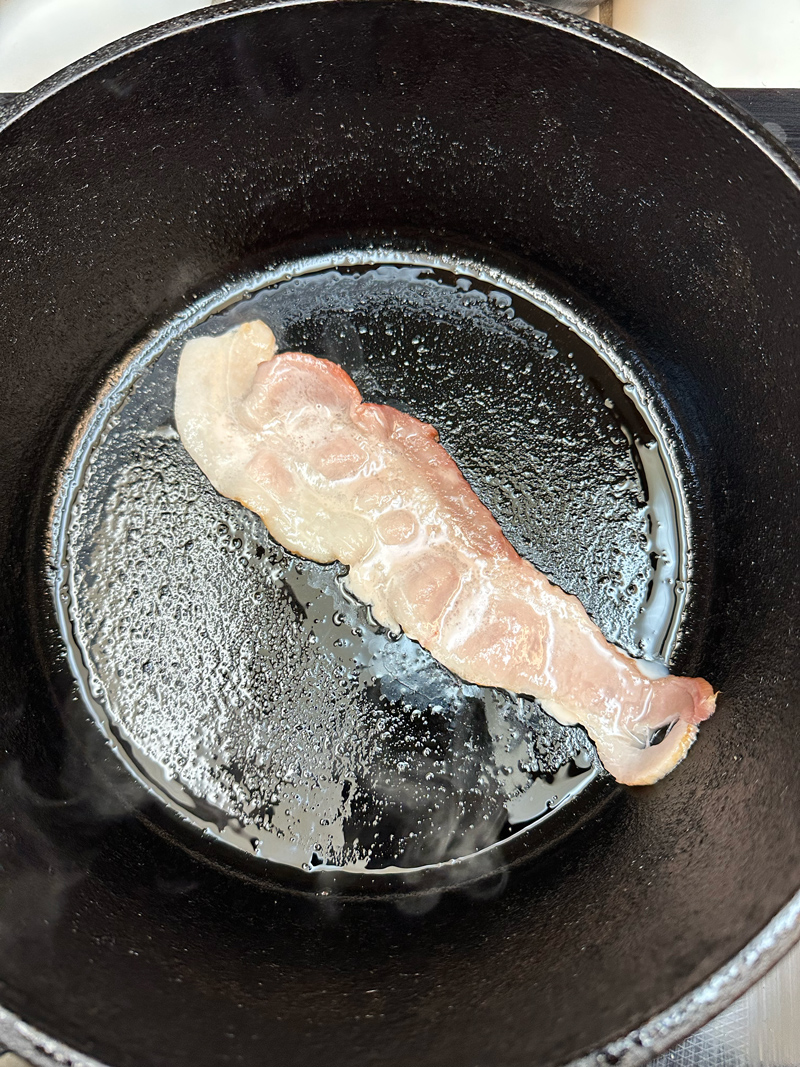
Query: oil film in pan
[(247, 689)]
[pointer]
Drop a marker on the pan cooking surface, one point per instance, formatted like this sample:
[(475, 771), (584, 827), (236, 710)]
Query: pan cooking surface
[(245, 686), (369, 119)]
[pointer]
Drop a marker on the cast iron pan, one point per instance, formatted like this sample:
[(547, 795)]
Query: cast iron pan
[(200, 155)]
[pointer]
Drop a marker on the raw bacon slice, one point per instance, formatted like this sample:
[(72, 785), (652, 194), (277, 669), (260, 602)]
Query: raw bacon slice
[(335, 478)]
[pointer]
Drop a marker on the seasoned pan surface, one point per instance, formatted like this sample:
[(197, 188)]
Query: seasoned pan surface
[(653, 225), (246, 686)]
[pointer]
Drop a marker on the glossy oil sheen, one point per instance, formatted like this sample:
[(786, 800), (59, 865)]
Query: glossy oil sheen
[(250, 690)]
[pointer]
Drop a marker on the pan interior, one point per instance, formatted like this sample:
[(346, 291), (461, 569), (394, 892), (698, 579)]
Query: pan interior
[(245, 687)]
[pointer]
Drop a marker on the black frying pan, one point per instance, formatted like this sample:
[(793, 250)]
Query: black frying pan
[(138, 183)]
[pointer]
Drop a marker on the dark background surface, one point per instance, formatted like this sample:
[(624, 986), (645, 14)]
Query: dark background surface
[(775, 108)]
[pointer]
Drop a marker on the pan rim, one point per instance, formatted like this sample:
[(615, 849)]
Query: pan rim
[(651, 1039), (527, 10), (782, 932)]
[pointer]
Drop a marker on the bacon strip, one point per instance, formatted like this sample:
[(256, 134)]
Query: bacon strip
[(335, 478)]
